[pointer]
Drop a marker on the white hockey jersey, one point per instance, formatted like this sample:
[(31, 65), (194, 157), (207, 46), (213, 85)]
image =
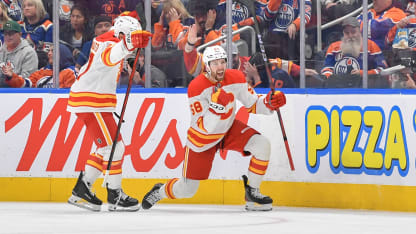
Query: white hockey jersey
[(95, 88), (207, 128)]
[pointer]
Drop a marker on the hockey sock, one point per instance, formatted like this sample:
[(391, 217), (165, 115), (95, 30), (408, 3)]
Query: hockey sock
[(256, 171)]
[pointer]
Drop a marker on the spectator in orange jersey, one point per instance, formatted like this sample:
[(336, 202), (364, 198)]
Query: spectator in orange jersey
[(346, 56), (381, 18), (205, 17), (171, 23)]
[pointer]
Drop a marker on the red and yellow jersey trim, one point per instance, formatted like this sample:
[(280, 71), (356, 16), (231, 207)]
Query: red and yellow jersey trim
[(91, 99), (105, 56), (200, 139)]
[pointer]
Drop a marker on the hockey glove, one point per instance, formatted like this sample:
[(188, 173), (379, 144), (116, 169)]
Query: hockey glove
[(275, 100), (137, 39), (219, 100)]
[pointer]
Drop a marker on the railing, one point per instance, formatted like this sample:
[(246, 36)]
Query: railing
[(332, 23), (242, 29)]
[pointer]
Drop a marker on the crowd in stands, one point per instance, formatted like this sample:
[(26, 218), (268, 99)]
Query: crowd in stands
[(179, 27)]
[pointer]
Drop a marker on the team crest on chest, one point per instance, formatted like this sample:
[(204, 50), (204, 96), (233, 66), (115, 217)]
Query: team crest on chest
[(346, 65), (412, 38), (239, 11), (285, 17)]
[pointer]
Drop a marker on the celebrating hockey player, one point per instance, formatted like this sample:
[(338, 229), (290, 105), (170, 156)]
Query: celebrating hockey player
[(212, 98), (93, 99)]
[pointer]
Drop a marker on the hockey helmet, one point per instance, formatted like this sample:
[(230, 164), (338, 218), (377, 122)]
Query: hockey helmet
[(213, 53), (125, 24)]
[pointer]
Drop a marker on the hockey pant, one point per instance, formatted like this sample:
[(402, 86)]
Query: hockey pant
[(258, 146), (102, 127)]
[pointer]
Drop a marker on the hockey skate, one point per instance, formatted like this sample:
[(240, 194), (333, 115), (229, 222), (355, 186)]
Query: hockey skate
[(83, 197), (255, 201), (119, 201), (152, 197)]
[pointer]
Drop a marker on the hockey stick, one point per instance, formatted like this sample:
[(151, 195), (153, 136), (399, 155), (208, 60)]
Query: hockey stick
[(269, 77), (121, 120)]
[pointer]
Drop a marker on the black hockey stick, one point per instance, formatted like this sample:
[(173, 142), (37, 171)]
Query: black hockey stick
[(269, 77), (121, 119)]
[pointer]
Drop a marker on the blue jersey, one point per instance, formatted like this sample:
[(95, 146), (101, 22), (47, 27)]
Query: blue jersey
[(240, 12), (282, 15), (338, 63), (39, 33), (379, 24)]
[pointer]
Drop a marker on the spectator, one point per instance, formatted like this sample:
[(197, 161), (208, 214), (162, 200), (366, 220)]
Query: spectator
[(381, 18), (171, 24), (255, 72), (17, 57), (334, 9), (37, 28), (205, 15), (241, 10), (43, 78), (3, 19), (159, 79), (102, 24), (14, 9), (346, 56), (284, 19), (111, 8), (77, 32)]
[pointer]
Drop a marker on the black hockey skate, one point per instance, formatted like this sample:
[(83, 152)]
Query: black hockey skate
[(152, 197), (255, 201), (83, 197), (119, 201)]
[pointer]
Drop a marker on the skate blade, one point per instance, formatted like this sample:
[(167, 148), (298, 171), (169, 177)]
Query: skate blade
[(79, 202), (252, 206), (115, 208)]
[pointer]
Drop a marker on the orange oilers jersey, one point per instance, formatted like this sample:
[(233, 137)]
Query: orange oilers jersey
[(95, 88), (208, 129)]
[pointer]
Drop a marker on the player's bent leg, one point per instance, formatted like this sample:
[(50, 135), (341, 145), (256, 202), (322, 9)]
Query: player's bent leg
[(83, 197), (174, 188), (116, 198), (259, 147)]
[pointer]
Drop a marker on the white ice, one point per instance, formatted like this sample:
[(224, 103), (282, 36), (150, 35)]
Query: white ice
[(45, 218)]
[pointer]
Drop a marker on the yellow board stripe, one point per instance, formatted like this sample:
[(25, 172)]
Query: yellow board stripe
[(228, 192)]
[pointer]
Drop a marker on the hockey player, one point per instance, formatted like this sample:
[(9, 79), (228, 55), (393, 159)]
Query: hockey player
[(212, 97), (93, 99)]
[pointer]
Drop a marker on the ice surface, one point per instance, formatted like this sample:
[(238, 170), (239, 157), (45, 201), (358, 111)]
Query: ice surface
[(45, 218)]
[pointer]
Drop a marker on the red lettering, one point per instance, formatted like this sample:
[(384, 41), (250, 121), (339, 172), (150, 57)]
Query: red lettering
[(139, 138)]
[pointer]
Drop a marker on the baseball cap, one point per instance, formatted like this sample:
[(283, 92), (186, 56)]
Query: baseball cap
[(234, 49), (12, 25), (350, 21)]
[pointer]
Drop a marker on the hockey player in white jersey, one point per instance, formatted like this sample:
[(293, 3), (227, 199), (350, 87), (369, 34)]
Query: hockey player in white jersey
[(212, 97), (93, 99)]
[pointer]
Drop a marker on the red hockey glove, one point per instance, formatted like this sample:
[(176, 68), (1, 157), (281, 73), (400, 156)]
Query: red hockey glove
[(137, 39), (219, 100), (275, 100)]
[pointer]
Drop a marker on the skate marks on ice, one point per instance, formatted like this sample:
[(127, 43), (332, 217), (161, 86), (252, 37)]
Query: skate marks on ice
[(62, 218)]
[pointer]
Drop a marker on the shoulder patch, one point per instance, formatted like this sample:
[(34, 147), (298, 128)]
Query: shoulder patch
[(198, 85)]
